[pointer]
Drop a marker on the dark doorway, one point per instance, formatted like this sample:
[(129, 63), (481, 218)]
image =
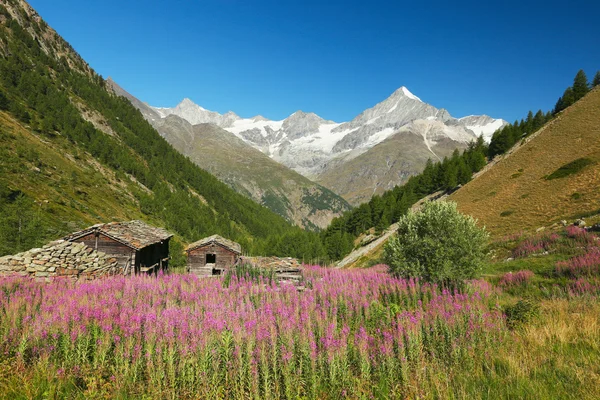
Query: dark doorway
[(211, 258)]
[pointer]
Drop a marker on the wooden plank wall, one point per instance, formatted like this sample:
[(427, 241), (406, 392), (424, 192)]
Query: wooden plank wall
[(197, 259), (121, 252)]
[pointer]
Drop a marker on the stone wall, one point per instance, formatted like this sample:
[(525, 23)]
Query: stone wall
[(60, 258)]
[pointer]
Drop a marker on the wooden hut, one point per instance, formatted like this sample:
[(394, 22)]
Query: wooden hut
[(212, 255), (137, 246)]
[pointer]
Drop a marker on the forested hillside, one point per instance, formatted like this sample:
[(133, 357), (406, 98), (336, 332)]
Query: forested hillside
[(74, 154)]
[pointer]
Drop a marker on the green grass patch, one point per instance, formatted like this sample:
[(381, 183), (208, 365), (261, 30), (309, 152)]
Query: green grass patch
[(570, 169)]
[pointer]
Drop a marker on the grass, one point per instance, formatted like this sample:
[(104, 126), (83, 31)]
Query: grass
[(559, 146)]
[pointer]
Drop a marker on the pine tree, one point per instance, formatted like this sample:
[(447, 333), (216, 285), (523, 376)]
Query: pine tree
[(3, 102), (596, 81), (528, 128), (538, 120), (580, 85), (464, 173), (559, 106), (568, 98)]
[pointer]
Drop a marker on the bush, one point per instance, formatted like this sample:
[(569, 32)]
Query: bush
[(437, 244), (521, 313)]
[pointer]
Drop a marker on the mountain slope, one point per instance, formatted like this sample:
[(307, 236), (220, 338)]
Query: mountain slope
[(514, 194), (73, 153), (246, 169), (389, 163)]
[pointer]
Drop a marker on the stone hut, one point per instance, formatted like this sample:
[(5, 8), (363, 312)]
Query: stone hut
[(136, 246), (212, 255)]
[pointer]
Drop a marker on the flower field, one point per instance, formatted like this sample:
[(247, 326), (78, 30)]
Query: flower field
[(356, 334)]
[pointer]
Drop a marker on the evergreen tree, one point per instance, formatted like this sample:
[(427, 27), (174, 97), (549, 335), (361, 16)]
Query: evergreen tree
[(538, 120), (596, 81), (464, 173), (528, 126), (559, 106), (4, 104), (580, 85), (568, 98)]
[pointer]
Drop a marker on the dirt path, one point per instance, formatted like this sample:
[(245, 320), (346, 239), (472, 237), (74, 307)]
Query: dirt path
[(356, 254)]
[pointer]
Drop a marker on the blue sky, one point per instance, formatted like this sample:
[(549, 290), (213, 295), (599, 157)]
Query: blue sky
[(335, 58)]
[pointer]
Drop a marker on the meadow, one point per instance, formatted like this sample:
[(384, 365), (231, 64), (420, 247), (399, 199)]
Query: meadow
[(361, 333)]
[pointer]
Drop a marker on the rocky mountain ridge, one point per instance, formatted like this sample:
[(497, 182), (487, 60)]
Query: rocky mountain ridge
[(309, 144)]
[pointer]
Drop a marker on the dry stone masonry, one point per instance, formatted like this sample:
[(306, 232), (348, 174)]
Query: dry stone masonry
[(60, 258)]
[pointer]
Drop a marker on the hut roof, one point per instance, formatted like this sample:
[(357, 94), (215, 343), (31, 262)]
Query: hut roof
[(229, 244), (135, 234)]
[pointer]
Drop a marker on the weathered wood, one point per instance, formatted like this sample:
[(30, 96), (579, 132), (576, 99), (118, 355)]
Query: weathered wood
[(129, 259), (210, 259)]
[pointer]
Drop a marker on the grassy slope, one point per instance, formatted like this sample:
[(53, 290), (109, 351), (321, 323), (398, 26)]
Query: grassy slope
[(67, 183), (516, 184)]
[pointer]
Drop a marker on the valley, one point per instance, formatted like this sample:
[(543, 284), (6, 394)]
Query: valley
[(162, 253)]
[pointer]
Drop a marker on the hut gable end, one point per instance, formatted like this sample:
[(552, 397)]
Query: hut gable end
[(212, 255)]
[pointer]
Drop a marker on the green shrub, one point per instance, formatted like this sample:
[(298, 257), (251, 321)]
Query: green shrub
[(437, 244), (521, 313), (571, 168)]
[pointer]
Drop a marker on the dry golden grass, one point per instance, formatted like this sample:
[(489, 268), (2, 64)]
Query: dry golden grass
[(516, 184)]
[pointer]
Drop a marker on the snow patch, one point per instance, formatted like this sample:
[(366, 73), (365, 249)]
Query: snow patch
[(408, 94), (486, 130)]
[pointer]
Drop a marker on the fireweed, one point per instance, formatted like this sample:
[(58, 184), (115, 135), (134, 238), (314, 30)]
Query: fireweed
[(587, 264), (535, 245), (519, 278), (350, 333)]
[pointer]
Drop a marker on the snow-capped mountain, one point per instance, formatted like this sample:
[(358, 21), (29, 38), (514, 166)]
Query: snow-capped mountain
[(307, 143)]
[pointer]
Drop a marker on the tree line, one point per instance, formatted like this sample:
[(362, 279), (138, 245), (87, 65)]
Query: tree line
[(506, 137)]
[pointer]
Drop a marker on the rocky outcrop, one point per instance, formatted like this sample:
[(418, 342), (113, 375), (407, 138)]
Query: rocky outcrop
[(60, 258)]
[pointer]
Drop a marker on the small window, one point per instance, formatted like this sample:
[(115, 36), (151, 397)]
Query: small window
[(211, 258), (216, 271)]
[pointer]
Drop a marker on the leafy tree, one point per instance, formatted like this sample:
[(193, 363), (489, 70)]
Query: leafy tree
[(596, 80), (580, 85), (437, 244)]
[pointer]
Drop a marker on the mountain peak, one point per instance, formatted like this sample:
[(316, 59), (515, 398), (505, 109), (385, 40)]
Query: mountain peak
[(404, 92), (187, 103)]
